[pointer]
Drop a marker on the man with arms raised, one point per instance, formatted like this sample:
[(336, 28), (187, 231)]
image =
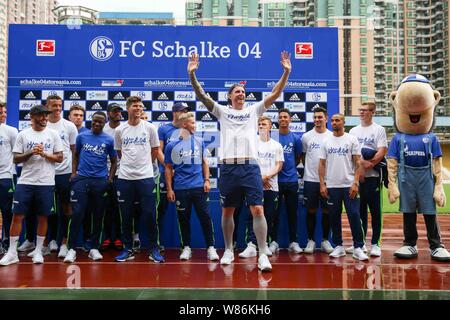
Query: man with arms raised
[(239, 171)]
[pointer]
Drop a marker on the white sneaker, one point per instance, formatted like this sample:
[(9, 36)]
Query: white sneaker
[(274, 247), (9, 258), (375, 251), (212, 254), (350, 250), (53, 246), (95, 255), (228, 257), (294, 247), (310, 247), (406, 252), (326, 246), (26, 246), (38, 258), (62, 251), (359, 254), (71, 256), (186, 254), (339, 251), (264, 263), (440, 254), (45, 252), (249, 252)]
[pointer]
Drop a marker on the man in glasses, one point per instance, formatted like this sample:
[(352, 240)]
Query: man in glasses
[(373, 142)]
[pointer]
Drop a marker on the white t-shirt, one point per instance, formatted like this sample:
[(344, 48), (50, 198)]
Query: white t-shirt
[(269, 153), (8, 137), (136, 143), (68, 133), (238, 130), (311, 144), (338, 152), (37, 170), (372, 137), (111, 131)]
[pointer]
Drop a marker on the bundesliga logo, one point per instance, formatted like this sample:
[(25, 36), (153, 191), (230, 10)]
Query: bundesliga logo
[(45, 48), (304, 50)]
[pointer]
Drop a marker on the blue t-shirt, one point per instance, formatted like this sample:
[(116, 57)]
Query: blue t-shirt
[(416, 149), (185, 155), (167, 133), (292, 147), (94, 150), (83, 130)]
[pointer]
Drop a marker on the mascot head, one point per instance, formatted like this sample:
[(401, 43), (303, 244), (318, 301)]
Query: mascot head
[(414, 104)]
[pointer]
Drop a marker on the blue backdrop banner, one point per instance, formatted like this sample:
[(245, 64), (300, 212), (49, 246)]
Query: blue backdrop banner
[(94, 65)]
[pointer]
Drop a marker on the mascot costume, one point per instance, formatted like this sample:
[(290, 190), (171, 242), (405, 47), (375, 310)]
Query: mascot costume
[(415, 163)]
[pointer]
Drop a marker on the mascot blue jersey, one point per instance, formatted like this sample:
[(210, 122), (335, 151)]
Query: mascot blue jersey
[(416, 148)]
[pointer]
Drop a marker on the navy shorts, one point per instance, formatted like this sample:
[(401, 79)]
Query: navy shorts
[(312, 197), (238, 181), (29, 199)]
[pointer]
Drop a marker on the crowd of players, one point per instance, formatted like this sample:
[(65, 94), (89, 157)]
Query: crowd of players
[(117, 178)]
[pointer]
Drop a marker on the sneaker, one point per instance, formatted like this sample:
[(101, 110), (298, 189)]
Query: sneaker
[(249, 252), (137, 246), (2, 250), (125, 255), (294, 247), (310, 247), (212, 254), (264, 263), (38, 258), (227, 258), (359, 254), (105, 244), (9, 258), (349, 250), (26, 246), (375, 251), (186, 254), (267, 252), (87, 246), (71, 256), (53, 246), (95, 255), (45, 252), (339, 251), (406, 252), (118, 245), (156, 256), (440, 254), (274, 247), (62, 251), (326, 246)]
